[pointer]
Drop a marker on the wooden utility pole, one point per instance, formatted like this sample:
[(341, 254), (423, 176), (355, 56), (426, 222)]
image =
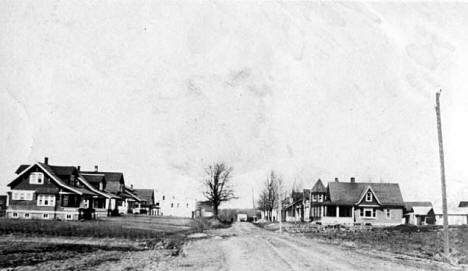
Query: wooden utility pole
[(280, 214), (442, 175)]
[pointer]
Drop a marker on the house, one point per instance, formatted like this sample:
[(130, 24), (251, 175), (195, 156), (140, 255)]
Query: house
[(293, 207), (419, 213), (357, 203), (203, 209), (146, 205), (241, 217), (318, 194), (170, 205), (122, 199), (45, 191), (456, 216)]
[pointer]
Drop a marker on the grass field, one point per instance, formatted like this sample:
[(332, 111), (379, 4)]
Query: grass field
[(73, 244), (422, 242)]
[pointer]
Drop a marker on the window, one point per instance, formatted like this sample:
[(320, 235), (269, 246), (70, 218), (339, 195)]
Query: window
[(314, 197), (45, 216), (15, 215), (369, 196), (68, 216), (164, 197), (320, 198), (36, 178), (27, 215), (388, 213), (368, 212), (172, 205), (45, 200), (22, 195)]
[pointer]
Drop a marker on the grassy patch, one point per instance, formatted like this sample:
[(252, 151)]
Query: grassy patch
[(87, 243), (423, 242)]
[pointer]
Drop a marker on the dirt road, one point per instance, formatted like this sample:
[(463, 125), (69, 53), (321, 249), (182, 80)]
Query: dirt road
[(246, 247)]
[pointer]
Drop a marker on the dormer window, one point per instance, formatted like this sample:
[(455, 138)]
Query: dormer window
[(36, 178), (369, 196)]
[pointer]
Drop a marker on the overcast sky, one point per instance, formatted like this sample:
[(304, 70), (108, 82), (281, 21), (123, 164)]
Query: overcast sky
[(159, 90)]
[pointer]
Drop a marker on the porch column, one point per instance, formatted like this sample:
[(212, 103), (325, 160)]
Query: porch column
[(352, 213), (321, 214), (337, 211)]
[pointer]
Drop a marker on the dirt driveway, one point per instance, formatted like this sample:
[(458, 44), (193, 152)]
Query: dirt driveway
[(246, 247)]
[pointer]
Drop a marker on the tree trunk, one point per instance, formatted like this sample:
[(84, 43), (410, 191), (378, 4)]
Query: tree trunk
[(215, 211)]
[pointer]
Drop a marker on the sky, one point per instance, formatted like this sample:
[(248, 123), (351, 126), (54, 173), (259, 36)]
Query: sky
[(159, 90)]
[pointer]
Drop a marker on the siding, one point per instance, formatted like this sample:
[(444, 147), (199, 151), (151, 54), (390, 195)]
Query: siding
[(396, 216)]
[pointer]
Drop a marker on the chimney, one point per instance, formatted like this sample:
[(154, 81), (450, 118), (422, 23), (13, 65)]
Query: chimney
[(353, 180), (131, 186), (78, 168), (336, 180), (46, 160), (96, 168)]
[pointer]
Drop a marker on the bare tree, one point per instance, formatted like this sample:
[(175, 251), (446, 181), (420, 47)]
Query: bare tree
[(218, 185), (269, 196)]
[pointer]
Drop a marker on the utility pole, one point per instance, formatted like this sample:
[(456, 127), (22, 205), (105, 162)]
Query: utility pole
[(280, 215), (442, 175)]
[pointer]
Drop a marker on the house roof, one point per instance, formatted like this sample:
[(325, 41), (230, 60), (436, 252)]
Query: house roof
[(113, 180), (350, 193), (85, 180), (58, 170), (145, 194), (94, 178), (130, 194), (421, 210), (410, 204), (319, 187), (463, 204)]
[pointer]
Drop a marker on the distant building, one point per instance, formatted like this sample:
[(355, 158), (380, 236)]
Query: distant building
[(419, 213), (171, 205), (456, 216), (147, 202), (203, 209)]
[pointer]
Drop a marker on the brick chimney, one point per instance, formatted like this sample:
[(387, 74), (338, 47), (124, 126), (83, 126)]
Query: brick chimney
[(96, 168), (353, 180), (46, 160), (131, 186), (336, 180), (78, 168)]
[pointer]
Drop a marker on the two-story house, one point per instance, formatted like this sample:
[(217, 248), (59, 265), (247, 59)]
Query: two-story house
[(46, 191)]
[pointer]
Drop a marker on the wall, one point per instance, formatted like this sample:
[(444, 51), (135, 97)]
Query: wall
[(396, 216)]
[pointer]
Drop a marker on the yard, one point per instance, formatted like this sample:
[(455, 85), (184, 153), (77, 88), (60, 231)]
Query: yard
[(423, 242), (71, 245)]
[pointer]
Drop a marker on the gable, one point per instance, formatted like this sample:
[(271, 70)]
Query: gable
[(319, 187), (368, 197), (52, 183), (22, 181)]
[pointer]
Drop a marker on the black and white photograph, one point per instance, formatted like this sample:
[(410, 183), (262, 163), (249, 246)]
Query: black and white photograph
[(233, 135)]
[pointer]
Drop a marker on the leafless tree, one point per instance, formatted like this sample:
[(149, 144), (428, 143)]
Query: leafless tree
[(218, 185), (269, 196)]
